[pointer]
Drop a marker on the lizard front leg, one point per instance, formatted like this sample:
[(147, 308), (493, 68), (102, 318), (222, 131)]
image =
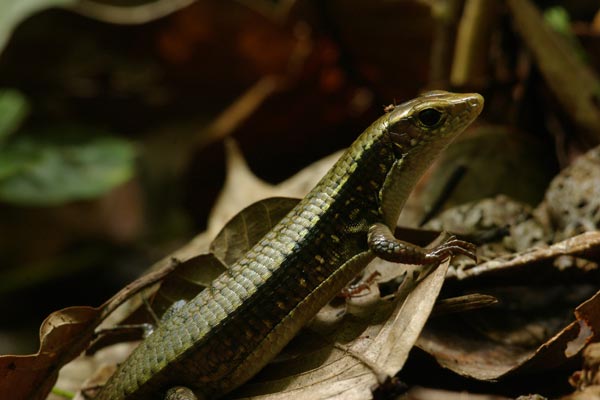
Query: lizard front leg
[(384, 245)]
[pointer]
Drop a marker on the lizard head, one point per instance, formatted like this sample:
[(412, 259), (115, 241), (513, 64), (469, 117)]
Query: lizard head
[(419, 130), (434, 118)]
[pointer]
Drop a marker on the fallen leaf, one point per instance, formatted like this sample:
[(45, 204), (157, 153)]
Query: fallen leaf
[(496, 342), (63, 336), (32, 376)]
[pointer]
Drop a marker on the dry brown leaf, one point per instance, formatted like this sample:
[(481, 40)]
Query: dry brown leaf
[(465, 347), (63, 336), (66, 333), (32, 376), (467, 352)]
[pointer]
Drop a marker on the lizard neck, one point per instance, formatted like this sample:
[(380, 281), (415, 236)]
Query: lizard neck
[(402, 178)]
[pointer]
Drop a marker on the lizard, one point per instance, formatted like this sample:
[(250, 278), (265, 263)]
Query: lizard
[(234, 327)]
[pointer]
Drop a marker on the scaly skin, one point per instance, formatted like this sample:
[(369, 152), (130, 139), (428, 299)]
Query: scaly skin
[(228, 332)]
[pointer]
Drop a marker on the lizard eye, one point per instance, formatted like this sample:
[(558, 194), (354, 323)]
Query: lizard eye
[(430, 117)]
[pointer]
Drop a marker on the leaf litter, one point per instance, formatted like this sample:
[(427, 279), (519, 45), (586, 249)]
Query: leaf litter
[(347, 350)]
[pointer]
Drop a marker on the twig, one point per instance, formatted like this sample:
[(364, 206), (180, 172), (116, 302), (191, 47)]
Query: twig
[(472, 44), (239, 111), (246, 104), (446, 15)]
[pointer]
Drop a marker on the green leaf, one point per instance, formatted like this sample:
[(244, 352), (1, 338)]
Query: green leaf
[(558, 18), (13, 109), (59, 168), (13, 12)]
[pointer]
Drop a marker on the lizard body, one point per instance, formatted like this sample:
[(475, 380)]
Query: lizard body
[(230, 330)]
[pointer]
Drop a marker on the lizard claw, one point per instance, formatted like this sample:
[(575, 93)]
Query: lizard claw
[(452, 247)]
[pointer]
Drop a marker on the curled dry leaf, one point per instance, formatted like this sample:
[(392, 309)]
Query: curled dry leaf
[(63, 336), (248, 227), (32, 376)]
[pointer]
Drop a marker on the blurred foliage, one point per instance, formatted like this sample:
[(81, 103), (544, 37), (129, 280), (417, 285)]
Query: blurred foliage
[(62, 166), (56, 166), (13, 109), (59, 164), (560, 20)]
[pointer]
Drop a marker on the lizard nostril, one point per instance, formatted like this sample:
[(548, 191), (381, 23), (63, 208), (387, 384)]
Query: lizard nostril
[(475, 102)]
